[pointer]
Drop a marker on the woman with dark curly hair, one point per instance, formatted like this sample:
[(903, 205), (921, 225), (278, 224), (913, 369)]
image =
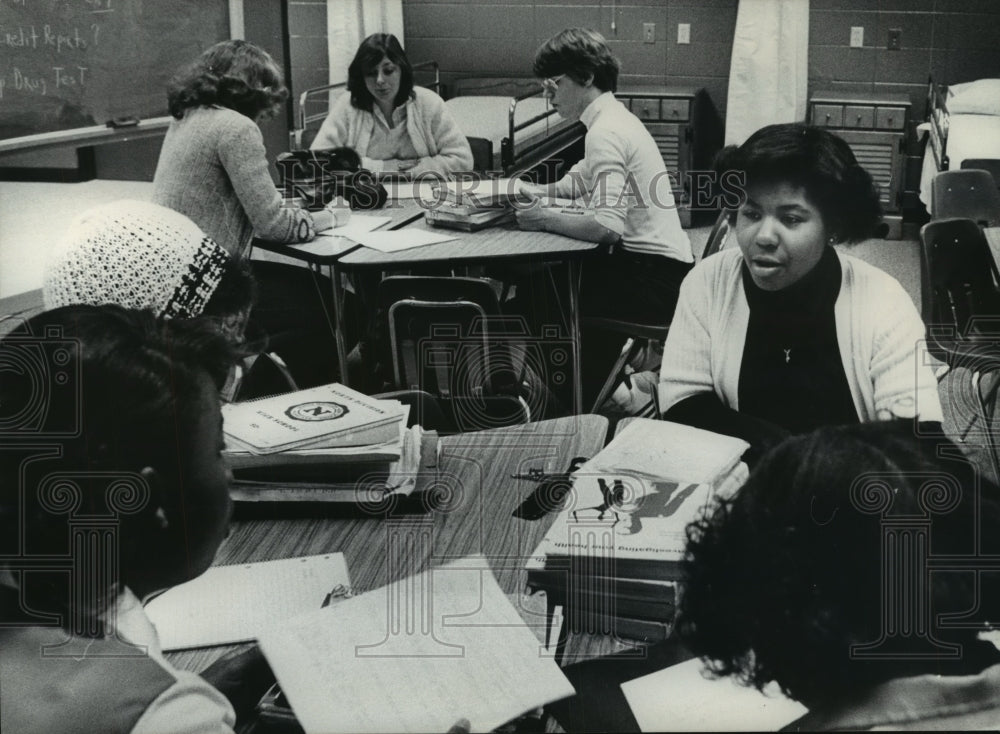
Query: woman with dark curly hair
[(819, 575), (392, 124), (785, 333), (213, 169)]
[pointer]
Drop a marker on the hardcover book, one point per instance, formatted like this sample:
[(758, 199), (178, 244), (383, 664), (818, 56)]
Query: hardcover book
[(304, 418)]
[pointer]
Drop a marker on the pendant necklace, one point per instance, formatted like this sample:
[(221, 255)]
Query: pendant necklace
[(788, 355)]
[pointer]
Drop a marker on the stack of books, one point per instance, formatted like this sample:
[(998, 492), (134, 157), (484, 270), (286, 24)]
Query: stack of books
[(612, 556), (324, 444), (473, 206)]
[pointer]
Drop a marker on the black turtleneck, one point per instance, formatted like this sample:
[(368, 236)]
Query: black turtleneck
[(792, 372)]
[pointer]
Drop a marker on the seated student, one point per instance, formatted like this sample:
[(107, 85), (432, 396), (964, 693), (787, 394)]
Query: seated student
[(213, 166), (793, 581), (392, 124), (141, 255), (213, 169), (785, 333), (627, 191), (146, 392), (133, 437)]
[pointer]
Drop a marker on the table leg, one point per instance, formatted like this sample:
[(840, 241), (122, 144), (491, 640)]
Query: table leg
[(574, 269), (338, 320)]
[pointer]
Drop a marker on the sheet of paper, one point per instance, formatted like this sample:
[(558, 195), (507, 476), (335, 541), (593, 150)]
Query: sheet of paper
[(414, 656), (229, 604), (357, 224), (402, 239), (423, 190), (340, 239), (679, 698)]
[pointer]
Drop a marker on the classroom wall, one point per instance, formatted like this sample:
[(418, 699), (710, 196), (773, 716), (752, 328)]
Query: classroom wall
[(955, 40), (479, 38)]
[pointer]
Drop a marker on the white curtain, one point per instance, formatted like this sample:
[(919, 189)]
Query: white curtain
[(349, 22), (769, 69)]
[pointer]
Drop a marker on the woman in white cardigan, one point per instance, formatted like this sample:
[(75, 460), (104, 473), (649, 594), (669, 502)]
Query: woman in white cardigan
[(393, 125), (786, 334)]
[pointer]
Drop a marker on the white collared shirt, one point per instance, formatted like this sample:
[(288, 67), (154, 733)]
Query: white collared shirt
[(623, 178)]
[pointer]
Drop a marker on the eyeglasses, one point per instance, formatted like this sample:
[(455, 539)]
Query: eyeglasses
[(551, 84)]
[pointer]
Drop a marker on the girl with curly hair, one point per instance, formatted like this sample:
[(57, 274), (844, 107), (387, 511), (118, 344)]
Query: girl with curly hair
[(819, 575), (213, 169)]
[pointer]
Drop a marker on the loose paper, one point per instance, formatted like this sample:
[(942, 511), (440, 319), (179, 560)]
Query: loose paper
[(229, 604), (414, 656), (680, 698), (401, 239)]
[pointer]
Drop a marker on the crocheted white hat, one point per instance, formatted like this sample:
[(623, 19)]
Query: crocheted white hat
[(138, 255)]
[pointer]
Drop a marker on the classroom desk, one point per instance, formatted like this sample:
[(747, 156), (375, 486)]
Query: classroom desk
[(473, 497), (493, 245), (324, 252), (473, 515)]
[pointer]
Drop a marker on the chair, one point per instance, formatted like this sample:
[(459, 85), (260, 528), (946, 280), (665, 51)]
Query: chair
[(985, 164), (639, 336), (961, 308), (966, 193), (718, 238), (446, 337)]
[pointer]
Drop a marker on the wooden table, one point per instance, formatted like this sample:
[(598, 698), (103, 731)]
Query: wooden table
[(474, 516), (493, 245), (471, 504)]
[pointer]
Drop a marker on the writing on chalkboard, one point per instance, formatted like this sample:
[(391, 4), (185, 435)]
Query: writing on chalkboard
[(77, 63)]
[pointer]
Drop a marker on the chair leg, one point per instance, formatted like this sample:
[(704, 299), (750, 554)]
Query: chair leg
[(628, 351)]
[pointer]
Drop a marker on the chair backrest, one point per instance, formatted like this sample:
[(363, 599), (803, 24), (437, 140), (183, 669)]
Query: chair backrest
[(966, 193), (719, 236), (959, 278), (447, 337), (482, 154), (985, 164)]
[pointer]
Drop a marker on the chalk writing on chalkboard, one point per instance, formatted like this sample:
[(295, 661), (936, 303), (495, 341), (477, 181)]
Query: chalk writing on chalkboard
[(74, 63)]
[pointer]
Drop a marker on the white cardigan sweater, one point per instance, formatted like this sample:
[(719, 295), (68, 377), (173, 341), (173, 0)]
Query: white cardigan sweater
[(441, 145), (879, 333)]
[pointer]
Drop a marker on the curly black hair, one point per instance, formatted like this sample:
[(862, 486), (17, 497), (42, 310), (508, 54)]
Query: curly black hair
[(581, 54), (819, 161), (125, 390), (783, 581), (234, 74)]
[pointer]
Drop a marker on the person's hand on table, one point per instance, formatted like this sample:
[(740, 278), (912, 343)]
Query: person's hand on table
[(335, 214), (241, 677), (533, 217), (527, 190)]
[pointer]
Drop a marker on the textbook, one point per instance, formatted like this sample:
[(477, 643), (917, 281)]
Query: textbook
[(629, 526), (382, 443), (483, 193), (375, 482), (466, 218), (304, 418)]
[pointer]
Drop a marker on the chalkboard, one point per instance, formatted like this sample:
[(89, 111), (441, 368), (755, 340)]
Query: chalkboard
[(74, 63)]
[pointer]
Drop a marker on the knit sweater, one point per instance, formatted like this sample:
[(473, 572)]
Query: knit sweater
[(213, 168), (439, 142), (878, 333)]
